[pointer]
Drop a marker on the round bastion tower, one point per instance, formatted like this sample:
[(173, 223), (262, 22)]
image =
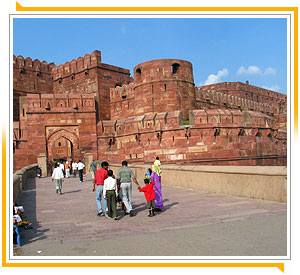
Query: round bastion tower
[(164, 85)]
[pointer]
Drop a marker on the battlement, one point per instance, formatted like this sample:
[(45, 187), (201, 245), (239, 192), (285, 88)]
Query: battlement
[(230, 101), (60, 103), (230, 118), (163, 70), (120, 93), (209, 118), (77, 65), (27, 64), (214, 136), (256, 93)]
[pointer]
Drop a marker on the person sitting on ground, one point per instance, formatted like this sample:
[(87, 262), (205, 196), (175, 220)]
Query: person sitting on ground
[(149, 195), (19, 214), (110, 193), (16, 220)]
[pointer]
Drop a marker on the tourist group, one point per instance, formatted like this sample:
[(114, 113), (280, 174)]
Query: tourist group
[(112, 189)]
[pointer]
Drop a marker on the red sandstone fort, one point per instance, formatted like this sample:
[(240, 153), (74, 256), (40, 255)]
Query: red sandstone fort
[(85, 109)]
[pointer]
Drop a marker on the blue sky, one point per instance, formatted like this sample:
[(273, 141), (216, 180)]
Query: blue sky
[(220, 49)]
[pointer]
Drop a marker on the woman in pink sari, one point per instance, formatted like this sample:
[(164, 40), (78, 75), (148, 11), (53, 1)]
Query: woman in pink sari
[(156, 177)]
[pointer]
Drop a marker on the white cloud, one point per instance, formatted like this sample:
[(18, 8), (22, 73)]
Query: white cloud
[(254, 70), (269, 71), (275, 88), (215, 78), (250, 70)]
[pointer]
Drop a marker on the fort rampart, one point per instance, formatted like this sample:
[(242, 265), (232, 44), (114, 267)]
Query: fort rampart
[(85, 109), (214, 137)]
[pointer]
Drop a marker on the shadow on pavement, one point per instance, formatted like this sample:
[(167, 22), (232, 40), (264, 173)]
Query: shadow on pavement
[(74, 191), (28, 199)]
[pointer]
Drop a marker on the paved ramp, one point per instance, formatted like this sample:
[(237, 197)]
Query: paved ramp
[(193, 223)]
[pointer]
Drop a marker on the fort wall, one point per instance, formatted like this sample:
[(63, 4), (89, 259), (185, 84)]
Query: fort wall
[(29, 76), (159, 85), (61, 125), (214, 137), (85, 107), (88, 75)]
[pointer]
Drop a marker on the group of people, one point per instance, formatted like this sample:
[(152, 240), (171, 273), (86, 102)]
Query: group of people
[(113, 188), (60, 171), (109, 187)]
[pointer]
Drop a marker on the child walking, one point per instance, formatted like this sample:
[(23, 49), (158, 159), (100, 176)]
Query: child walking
[(110, 193), (149, 195)]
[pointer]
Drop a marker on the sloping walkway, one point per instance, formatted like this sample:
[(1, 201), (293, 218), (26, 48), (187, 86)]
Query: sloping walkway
[(193, 223)]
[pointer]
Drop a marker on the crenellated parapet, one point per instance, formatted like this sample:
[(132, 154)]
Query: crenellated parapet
[(277, 101), (47, 103), (81, 64), (36, 66), (122, 101), (230, 118), (213, 136), (215, 99), (167, 121), (121, 93)]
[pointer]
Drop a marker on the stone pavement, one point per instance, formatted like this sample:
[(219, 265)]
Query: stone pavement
[(193, 223)]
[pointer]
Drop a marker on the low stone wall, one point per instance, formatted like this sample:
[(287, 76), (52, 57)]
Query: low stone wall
[(259, 182), (20, 178)]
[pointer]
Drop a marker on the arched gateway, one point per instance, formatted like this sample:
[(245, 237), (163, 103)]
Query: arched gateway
[(62, 144)]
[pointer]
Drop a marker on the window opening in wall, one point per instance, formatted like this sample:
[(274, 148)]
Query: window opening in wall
[(23, 112), (216, 134), (130, 156), (241, 134), (123, 96), (165, 87), (173, 140), (59, 144), (175, 68), (118, 85), (138, 71)]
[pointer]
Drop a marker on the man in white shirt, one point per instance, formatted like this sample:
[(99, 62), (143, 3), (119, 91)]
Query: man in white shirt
[(110, 193), (58, 176), (80, 167), (62, 167), (74, 167)]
